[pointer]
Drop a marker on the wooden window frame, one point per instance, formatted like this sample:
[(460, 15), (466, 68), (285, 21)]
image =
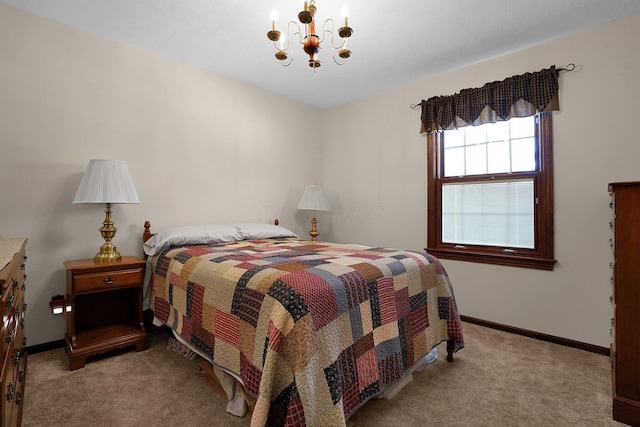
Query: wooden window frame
[(541, 256)]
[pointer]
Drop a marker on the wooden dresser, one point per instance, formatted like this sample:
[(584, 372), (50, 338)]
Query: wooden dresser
[(13, 341), (625, 350)]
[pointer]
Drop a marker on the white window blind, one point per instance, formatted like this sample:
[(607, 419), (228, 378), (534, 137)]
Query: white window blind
[(489, 213)]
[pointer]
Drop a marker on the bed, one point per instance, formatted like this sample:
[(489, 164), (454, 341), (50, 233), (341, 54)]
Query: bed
[(311, 330)]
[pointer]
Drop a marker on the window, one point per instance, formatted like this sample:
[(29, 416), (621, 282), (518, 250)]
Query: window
[(491, 193)]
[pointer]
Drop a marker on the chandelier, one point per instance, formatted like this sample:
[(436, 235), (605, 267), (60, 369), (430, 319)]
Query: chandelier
[(309, 39)]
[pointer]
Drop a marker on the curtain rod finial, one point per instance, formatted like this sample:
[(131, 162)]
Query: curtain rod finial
[(570, 67)]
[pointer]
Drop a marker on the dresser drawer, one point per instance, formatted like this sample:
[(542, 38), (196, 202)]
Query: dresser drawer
[(9, 387), (8, 333), (7, 306), (12, 276), (21, 375), (106, 280)]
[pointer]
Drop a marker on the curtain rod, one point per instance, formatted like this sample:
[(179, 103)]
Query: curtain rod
[(570, 67)]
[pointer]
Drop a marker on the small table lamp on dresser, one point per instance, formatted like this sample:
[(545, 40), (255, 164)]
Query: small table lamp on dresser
[(103, 302), (313, 199)]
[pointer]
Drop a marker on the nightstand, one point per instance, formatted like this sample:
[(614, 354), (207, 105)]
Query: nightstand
[(105, 301)]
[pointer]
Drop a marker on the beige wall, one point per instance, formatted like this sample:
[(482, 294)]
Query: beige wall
[(200, 148), (375, 169)]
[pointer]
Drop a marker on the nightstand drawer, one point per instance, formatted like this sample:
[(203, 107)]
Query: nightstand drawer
[(111, 279)]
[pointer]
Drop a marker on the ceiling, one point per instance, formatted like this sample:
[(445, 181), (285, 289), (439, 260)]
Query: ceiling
[(394, 42)]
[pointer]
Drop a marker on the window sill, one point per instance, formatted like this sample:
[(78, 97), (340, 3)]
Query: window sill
[(498, 259)]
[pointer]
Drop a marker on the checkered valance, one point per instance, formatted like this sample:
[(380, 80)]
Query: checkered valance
[(517, 96)]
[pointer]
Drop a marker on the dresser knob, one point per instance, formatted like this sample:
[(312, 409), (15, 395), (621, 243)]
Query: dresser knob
[(109, 280)]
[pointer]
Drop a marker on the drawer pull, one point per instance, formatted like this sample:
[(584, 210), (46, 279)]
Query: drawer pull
[(10, 301), (109, 280), (21, 376), (10, 336), (18, 398), (11, 388)]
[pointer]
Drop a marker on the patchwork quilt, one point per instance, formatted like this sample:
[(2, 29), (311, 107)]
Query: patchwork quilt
[(313, 329)]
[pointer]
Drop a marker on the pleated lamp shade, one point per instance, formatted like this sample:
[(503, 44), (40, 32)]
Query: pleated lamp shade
[(313, 199), (106, 181)]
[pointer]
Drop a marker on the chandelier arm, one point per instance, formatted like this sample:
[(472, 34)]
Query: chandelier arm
[(327, 30), (286, 44), (297, 32), (289, 37), (339, 63), (333, 35)]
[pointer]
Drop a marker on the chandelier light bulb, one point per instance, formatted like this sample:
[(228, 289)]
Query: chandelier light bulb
[(345, 15)]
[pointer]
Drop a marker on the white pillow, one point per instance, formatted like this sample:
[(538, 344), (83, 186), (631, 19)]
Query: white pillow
[(258, 230), (192, 235)]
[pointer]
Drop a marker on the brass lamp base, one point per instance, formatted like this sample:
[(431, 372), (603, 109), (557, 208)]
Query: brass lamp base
[(314, 230), (108, 252)]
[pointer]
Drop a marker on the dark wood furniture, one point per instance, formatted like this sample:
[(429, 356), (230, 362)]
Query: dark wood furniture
[(12, 339), (625, 350), (106, 308)]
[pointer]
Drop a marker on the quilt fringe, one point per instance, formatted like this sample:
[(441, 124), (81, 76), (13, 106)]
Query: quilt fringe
[(181, 349)]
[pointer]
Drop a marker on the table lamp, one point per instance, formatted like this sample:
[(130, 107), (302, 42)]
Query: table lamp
[(313, 199), (108, 182)]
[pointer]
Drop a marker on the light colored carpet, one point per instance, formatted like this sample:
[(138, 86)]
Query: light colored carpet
[(499, 379)]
